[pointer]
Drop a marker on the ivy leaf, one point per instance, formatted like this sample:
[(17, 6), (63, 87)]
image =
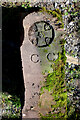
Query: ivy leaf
[(75, 13), (71, 72), (66, 13), (76, 76), (23, 6)]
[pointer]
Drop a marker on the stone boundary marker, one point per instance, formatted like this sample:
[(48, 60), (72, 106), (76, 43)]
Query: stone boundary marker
[(32, 71)]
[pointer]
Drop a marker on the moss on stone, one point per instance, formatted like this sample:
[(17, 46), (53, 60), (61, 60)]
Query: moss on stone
[(55, 84)]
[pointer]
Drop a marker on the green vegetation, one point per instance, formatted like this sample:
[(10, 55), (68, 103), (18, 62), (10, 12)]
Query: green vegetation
[(56, 13), (55, 84), (11, 106), (26, 4), (72, 110), (16, 4)]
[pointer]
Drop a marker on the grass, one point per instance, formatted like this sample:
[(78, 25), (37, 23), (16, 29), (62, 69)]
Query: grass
[(16, 4), (56, 13), (11, 106)]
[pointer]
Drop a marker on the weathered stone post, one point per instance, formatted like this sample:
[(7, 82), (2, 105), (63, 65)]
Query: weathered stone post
[(38, 35)]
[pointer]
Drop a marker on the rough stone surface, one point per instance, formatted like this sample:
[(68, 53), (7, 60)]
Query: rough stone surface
[(33, 71)]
